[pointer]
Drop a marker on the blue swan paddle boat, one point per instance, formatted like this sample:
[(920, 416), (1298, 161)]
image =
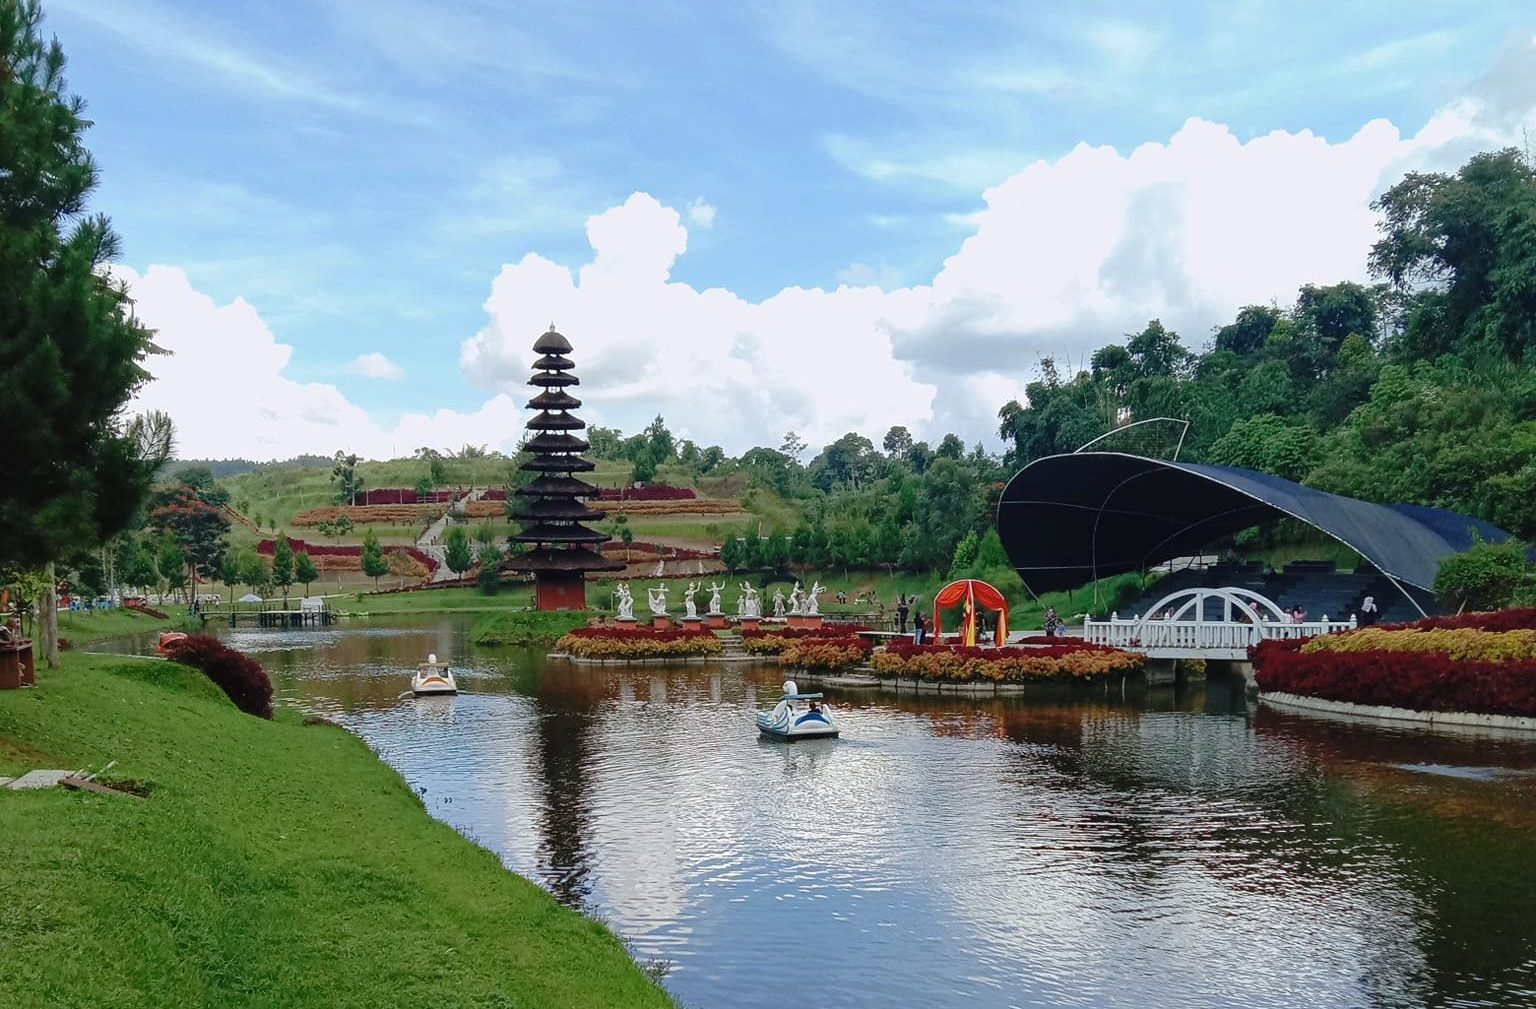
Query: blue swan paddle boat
[(798, 716)]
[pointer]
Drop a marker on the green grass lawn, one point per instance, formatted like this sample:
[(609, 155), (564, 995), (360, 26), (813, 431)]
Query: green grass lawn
[(273, 864), (80, 627), (456, 600)]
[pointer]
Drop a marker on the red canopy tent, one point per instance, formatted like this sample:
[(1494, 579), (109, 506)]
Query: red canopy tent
[(971, 593)]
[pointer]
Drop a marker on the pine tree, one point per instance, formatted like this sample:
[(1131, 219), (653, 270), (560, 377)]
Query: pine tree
[(70, 348), (374, 565), (282, 565), (457, 554), (304, 570)]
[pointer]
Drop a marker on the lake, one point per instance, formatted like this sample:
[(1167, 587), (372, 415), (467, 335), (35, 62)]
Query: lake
[(1073, 849)]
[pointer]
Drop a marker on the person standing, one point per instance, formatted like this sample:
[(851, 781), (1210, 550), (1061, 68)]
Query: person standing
[(1369, 614), (919, 627), (902, 610)]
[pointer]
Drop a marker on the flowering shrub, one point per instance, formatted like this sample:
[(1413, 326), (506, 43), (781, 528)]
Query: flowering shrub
[(235, 673), (616, 643), (401, 514), (1498, 620), (328, 557), (655, 492), (1423, 681), (825, 654), (692, 506), (1456, 643), (774, 642), (403, 495), (1074, 661)]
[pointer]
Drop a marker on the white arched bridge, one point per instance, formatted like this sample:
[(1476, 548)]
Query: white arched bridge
[(1202, 623)]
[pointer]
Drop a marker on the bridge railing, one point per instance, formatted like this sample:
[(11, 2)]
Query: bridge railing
[(1201, 635)]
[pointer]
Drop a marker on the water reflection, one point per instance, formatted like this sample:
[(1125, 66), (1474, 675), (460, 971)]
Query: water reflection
[(1074, 849)]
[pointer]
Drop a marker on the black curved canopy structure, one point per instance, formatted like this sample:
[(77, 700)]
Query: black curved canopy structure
[(1069, 519)]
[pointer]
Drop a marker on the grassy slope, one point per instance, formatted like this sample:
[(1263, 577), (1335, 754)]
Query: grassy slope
[(455, 600), (80, 627), (274, 864)]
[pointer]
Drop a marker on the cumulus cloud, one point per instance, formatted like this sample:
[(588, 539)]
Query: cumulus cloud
[(701, 214), (1066, 255), (376, 365), (222, 381)]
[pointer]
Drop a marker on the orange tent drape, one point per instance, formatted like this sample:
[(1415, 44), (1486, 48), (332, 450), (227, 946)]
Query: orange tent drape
[(972, 593)]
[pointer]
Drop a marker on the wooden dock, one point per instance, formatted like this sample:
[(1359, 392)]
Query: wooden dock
[(322, 617)]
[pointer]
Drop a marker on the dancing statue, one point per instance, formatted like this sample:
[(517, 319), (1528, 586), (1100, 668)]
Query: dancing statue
[(778, 602), (658, 600), (661, 568), (741, 601), (690, 611), (714, 598), (749, 599), (812, 607), (626, 602), (796, 600)]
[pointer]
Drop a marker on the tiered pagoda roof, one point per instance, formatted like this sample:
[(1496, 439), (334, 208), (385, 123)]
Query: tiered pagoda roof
[(550, 506)]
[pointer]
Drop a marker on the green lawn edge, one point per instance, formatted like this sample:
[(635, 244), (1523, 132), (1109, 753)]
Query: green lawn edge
[(273, 864)]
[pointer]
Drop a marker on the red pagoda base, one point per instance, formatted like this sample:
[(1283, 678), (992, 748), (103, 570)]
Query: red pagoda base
[(557, 593)]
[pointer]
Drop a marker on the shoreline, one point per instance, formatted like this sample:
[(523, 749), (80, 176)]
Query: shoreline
[(272, 863)]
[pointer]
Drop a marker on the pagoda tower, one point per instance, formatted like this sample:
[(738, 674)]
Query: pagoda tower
[(550, 506)]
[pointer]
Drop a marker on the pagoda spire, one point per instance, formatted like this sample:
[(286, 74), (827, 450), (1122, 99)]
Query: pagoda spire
[(551, 507)]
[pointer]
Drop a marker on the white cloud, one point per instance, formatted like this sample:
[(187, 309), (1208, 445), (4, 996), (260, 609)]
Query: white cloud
[(223, 384), (376, 365), (1063, 257), (701, 214), (1066, 256)]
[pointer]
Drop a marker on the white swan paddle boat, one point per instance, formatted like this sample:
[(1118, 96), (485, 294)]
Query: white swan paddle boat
[(433, 677), (798, 716)]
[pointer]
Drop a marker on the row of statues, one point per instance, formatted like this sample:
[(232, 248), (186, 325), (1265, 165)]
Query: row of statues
[(749, 604)]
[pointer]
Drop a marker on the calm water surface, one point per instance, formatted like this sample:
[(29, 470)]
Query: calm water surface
[(1079, 850)]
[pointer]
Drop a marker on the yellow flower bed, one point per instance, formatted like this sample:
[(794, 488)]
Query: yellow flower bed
[(1458, 643), (638, 646), (954, 666)]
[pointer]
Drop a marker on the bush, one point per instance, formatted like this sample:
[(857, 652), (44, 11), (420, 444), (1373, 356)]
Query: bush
[(489, 579), (1485, 577), (1067, 660), (526, 630), (776, 641), (1421, 681), (235, 673), (827, 654), (614, 643)]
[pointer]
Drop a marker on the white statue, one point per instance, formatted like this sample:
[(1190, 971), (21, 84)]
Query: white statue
[(714, 597), (778, 602), (812, 607), (749, 605), (626, 602), (658, 600), (690, 611), (796, 600), (660, 567)]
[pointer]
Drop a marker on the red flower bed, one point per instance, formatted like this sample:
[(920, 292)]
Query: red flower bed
[(405, 495), (824, 631), (267, 547), (641, 549), (235, 673), (1499, 620), (655, 492), (635, 633), (1058, 647), (1421, 681), (494, 494)]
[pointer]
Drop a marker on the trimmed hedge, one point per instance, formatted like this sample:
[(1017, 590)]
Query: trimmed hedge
[(615, 643), (824, 653), (1066, 661), (240, 677), (1420, 681)]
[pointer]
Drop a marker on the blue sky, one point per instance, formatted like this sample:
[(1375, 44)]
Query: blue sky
[(360, 170)]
